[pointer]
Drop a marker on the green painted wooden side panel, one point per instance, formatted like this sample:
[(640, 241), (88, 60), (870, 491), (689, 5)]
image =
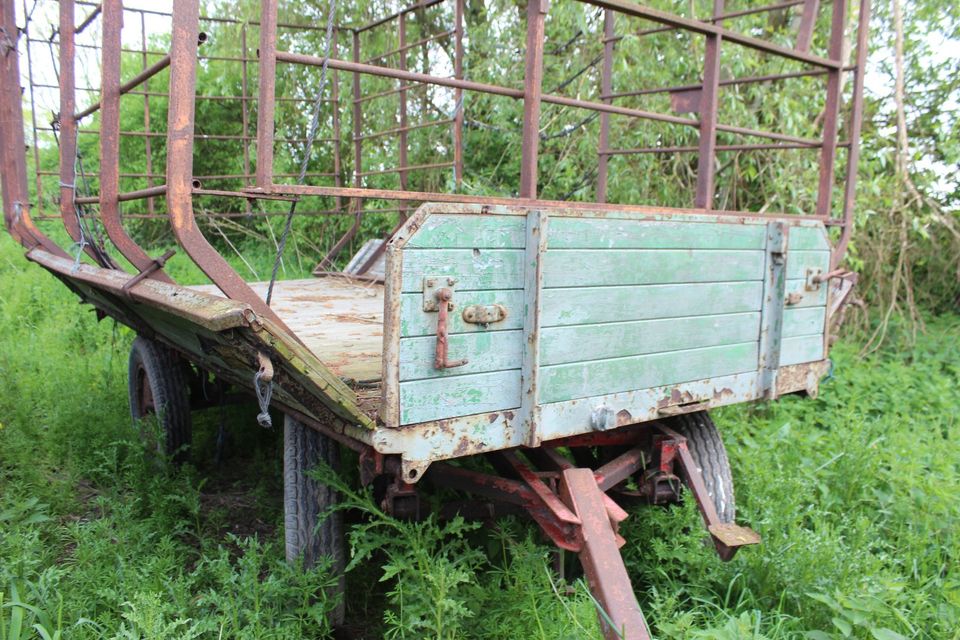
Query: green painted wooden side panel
[(415, 322), (473, 269), (423, 400), (490, 351), (605, 233), (560, 345), (626, 305), (799, 261), (590, 268), (599, 377), (803, 321), (451, 231), (646, 302), (801, 349), (807, 239), (808, 298)]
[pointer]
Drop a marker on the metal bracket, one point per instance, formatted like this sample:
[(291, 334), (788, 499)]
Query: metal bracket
[(484, 313), (813, 280), (432, 286), (154, 266)]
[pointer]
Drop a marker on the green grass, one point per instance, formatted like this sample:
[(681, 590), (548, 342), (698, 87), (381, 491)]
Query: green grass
[(855, 495)]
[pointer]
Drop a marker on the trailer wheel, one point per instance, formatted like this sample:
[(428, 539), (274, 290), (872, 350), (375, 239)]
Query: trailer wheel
[(305, 500), (157, 384), (707, 450)]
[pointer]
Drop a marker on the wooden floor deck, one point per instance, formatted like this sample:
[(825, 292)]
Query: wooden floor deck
[(339, 320)]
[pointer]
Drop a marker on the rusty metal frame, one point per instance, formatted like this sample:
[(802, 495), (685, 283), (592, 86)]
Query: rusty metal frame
[(712, 28)]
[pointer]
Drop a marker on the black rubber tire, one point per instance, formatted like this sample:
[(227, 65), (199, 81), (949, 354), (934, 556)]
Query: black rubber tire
[(158, 384), (707, 450), (305, 499)]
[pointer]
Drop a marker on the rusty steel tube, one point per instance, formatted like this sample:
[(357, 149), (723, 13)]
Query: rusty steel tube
[(386, 72), (856, 125), (127, 196), (831, 111), (127, 86), (709, 101), (180, 134), (425, 4), (533, 80), (705, 28), (266, 105), (110, 145), (86, 21)]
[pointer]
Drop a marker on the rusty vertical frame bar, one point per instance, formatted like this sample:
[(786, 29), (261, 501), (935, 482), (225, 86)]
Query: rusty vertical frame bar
[(709, 102), (807, 23), (33, 117), (146, 112), (245, 110), (536, 22), (458, 116), (110, 143), (402, 143), (180, 136), (68, 126), (335, 100), (13, 176), (266, 103), (831, 110), (856, 125), (606, 88), (357, 125)]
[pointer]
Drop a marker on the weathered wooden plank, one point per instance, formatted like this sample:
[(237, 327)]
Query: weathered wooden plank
[(808, 239), (473, 269), (807, 298), (602, 267), (801, 349), (575, 416), (452, 231), (582, 380), (600, 233), (422, 400), (799, 261), (489, 351), (803, 321), (647, 302), (414, 321), (560, 345)]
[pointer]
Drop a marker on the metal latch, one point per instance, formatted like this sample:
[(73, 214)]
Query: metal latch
[(484, 313), (444, 305), (432, 286)]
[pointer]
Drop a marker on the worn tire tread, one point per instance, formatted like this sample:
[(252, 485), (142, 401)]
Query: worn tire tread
[(171, 394), (709, 454), (305, 500)]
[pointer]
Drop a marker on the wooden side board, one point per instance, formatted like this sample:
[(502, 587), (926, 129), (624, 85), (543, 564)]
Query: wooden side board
[(625, 304)]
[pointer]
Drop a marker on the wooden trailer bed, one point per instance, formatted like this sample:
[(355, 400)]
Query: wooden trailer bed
[(340, 320)]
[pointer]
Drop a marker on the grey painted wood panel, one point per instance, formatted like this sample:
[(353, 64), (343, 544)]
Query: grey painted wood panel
[(801, 349), (423, 400), (414, 321), (473, 269), (490, 351), (560, 345), (609, 233), (452, 231), (645, 302), (803, 321), (601, 267), (585, 379)]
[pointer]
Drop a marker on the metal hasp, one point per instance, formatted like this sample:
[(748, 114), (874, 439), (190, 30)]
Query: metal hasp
[(576, 505)]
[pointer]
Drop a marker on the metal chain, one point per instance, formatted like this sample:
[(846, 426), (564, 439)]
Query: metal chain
[(311, 136)]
